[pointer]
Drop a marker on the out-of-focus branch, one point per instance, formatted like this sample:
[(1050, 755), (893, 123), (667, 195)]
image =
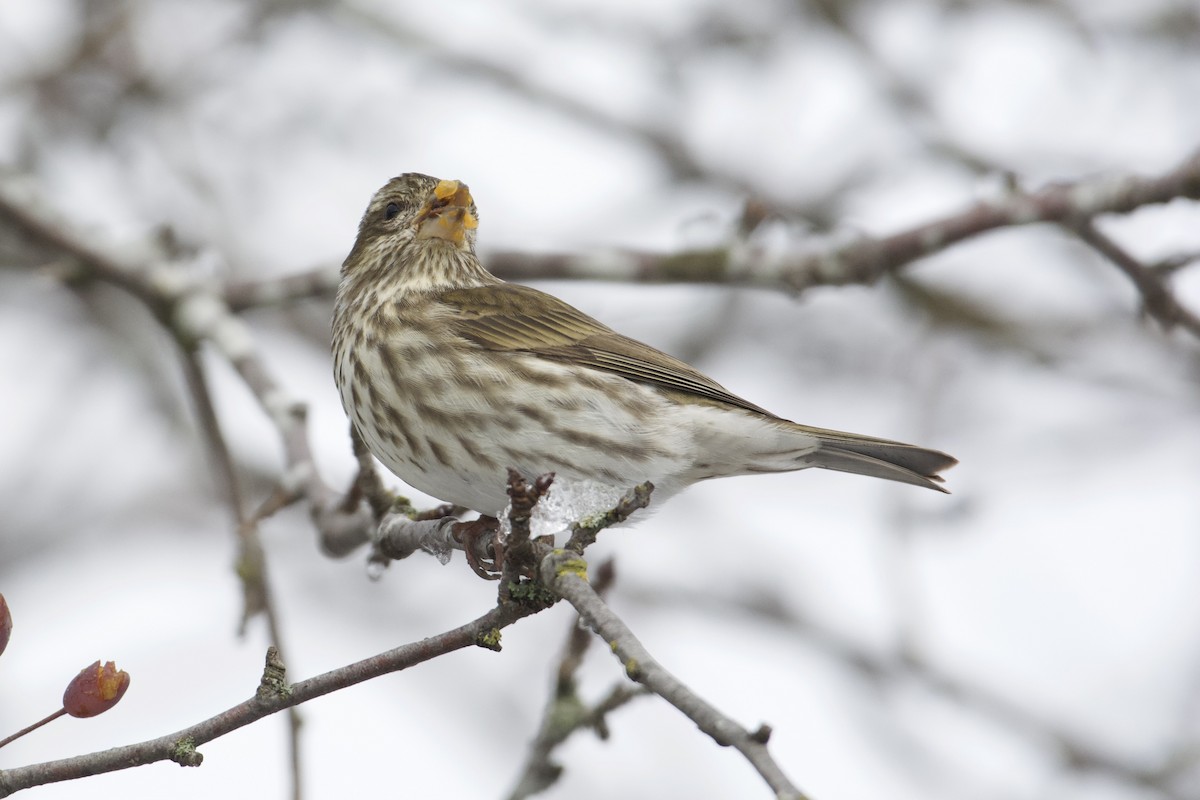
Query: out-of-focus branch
[(316, 282), (900, 669), (1175, 263), (273, 695), (860, 259), (864, 259), (908, 97), (671, 150), (565, 713), (252, 562), (565, 573), (193, 312), (1157, 299)]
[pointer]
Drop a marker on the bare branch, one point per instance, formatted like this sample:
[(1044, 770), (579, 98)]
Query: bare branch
[(273, 696), (247, 294), (194, 312), (671, 149), (1157, 298), (565, 713), (566, 574), (865, 259), (860, 259), (1176, 263), (518, 552), (210, 428), (367, 482)]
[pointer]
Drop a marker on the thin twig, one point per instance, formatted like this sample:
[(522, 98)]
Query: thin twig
[(252, 565), (566, 574), (518, 551), (672, 150), (565, 713), (908, 97), (1175, 263), (210, 428), (367, 482), (242, 295), (1157, 298), (193, 313)]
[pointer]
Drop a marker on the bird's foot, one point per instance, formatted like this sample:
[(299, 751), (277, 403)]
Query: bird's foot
[(482, 546)]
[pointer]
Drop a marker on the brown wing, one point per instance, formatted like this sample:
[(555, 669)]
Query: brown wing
[(508, 316)]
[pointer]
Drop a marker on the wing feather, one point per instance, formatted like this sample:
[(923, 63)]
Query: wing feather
[(506, 316)]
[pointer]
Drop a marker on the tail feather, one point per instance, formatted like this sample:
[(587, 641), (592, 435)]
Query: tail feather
[(880, 458)]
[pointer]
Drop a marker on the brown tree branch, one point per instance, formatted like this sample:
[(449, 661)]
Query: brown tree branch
[(861, 259), (1157, 299), (272, 697), (864, 259)]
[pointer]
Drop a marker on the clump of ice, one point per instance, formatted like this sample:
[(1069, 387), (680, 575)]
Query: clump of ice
[(439, 549), (375, 569), (567, 502)]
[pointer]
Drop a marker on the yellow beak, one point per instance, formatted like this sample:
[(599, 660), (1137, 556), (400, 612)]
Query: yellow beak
[(447, 214)]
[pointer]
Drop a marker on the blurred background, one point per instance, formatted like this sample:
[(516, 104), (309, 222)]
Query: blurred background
[(1035, 634)]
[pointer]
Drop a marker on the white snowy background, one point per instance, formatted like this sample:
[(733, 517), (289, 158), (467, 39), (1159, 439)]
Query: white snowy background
[(902, 644)]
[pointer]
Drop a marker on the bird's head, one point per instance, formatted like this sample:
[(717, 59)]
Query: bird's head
[(420, 231)]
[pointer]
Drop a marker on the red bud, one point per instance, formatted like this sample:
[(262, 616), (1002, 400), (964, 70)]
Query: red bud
[(95, 690), (5, 624)]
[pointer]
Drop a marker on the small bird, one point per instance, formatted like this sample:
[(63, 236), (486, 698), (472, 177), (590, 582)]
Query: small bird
[(451, 376)]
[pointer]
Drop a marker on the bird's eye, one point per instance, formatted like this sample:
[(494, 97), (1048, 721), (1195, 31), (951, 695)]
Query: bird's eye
[(391, 211)]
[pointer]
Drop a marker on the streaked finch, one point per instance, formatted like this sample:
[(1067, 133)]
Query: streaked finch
[(451, 376)]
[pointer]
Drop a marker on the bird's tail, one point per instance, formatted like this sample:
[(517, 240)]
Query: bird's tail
[(878, 458)]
